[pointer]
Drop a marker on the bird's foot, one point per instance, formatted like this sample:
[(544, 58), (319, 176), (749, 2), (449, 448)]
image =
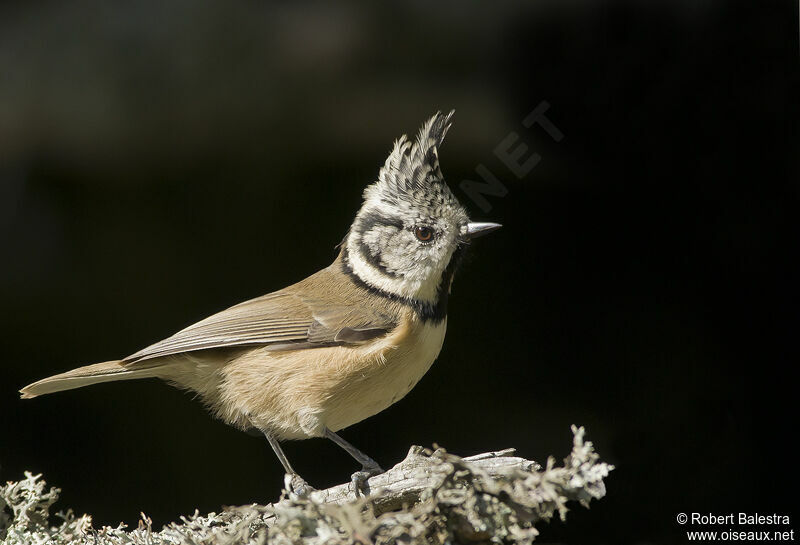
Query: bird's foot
[(297, 486), (359, 478)]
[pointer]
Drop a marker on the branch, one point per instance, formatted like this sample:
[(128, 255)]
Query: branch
[(420, 470), (431, 497)]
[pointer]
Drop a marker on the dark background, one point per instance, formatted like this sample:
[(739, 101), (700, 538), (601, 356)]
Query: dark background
[(162, 162)]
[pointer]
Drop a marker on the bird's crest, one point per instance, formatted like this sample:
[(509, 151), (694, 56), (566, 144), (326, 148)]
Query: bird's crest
[(413, 166), (383, 248)]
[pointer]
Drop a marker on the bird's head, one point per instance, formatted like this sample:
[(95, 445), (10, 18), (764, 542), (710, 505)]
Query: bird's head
[(407, 236)]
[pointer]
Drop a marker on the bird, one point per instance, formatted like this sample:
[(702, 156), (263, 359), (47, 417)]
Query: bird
[(339, 346)]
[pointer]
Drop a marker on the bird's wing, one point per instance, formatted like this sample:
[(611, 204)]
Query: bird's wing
[(282, 320)]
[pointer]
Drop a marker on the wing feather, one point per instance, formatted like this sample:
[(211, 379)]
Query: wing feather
[(283, 319)]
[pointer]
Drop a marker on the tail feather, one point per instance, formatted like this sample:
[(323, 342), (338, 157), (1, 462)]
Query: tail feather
[(84, 376)]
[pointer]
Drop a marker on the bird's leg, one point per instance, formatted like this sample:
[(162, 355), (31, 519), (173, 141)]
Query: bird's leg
[(295, 482), (369, 467)]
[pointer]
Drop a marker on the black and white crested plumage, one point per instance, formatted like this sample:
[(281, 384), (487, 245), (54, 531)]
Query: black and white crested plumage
[(415, 165), (388, 246)]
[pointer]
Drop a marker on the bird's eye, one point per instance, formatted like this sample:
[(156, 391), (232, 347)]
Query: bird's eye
[(423, 234)]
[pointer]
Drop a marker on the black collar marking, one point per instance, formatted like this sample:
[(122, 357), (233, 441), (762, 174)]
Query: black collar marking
[(427, 312)]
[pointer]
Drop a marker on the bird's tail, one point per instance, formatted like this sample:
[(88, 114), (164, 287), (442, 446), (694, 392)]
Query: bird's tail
[(84, 376)]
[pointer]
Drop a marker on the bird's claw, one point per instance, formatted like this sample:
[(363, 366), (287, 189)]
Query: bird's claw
[(297, 486), (359, 478)]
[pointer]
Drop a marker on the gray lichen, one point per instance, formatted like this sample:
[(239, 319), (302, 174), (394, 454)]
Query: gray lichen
[(430, 497)]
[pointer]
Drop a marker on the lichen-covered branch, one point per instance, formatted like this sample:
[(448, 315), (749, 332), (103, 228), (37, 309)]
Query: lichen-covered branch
[(431, 497)]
